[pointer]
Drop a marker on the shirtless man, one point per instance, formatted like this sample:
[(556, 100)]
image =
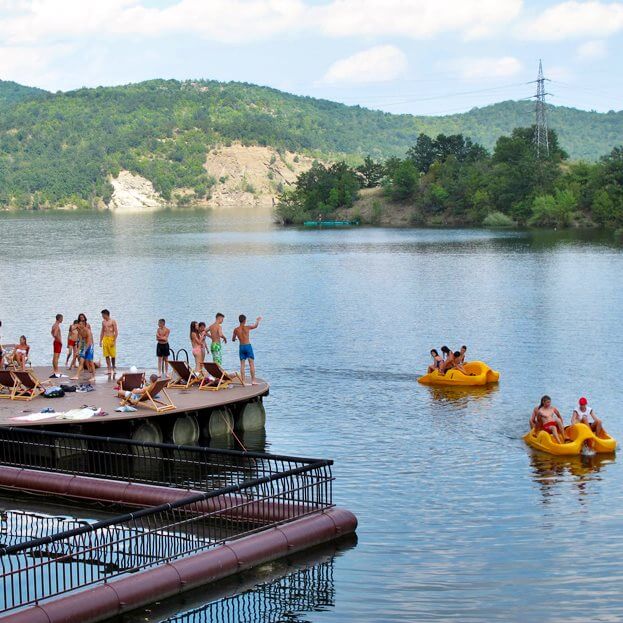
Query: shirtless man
[(162, 347), (57, 346), (108, 342), (72, 345), (86, 351), (581, 415), (241, 333), (462, 352), (215, 331), (546, 417)]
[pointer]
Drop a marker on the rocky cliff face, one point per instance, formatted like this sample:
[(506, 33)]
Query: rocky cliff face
[(133, 193), (251, 176)]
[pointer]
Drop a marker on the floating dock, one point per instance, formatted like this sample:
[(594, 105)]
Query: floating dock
[(197, 413), (204, 514)]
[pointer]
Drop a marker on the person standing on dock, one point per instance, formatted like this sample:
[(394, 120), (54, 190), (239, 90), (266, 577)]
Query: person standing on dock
[(241, 333), (162, 347), (57, 346), (108, 342), (86, 351), (215, 331)]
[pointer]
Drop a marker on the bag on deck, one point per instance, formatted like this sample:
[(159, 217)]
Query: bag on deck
[(53, 392)]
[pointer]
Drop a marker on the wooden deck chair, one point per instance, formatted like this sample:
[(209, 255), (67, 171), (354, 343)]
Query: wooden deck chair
[(8, 384), (220, 379), (186, 377), (131, 380), (29, 386), (148, 398)]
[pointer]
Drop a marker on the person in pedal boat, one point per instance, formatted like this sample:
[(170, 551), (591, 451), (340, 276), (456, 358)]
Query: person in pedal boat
[(437, 361), (546, 417), (583, 413)]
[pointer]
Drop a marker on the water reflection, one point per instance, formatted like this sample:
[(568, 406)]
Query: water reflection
[(287, 590), (461, 395), (550, 471)]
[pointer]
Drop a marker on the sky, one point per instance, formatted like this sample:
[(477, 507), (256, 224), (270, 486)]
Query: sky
[(401, 56)]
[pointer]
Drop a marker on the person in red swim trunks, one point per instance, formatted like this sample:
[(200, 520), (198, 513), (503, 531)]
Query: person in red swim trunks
[(547, 417), (57, 346)]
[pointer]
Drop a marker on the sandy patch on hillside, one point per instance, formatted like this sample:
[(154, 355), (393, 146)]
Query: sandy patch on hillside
[(251, 176), (133, 193)]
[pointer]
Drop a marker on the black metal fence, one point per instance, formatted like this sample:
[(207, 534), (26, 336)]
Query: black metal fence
[(189, 467), (96, 552)]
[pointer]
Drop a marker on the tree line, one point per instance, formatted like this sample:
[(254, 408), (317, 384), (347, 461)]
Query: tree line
[(451, 179)]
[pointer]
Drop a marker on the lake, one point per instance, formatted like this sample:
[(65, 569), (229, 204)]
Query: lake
[(459, 520)]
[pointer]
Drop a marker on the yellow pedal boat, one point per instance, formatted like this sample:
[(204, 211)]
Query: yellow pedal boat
[(576, 436), (478, 373)]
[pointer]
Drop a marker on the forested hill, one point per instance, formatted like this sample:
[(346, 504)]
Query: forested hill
[(64, 146)]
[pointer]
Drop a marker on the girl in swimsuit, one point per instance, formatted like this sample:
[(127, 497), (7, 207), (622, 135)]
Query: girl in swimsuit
[(448, 362), (195, 343), (20, 355), (437, 361), (546, 417)]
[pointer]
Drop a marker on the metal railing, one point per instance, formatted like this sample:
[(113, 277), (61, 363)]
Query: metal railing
[(97, 552), (187, 467)]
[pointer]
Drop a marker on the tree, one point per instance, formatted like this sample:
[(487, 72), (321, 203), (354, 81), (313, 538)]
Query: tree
[(403, 181), (371, 172)]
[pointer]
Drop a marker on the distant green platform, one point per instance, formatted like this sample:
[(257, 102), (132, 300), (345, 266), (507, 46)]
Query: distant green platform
[(330, 223)]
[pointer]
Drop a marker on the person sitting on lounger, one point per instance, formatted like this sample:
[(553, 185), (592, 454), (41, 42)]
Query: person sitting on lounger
[(583, 414), (437, 361), (20, 354), (546, 417), (135, 394)]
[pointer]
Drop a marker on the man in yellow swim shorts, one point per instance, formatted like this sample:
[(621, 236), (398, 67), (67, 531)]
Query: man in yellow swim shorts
[(108, 342)]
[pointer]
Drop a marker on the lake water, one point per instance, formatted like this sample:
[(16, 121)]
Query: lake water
[(458, 519)]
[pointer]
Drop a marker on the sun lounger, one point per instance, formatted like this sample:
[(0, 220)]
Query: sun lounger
[(220, 378), (28, 385), (186, 377), (8, 384), (148, 398), (131, 380)]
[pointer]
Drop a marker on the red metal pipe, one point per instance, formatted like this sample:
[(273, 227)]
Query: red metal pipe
[(107, 600), (141, 495)]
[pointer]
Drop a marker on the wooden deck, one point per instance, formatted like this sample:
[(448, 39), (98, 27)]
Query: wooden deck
[(105, 397)]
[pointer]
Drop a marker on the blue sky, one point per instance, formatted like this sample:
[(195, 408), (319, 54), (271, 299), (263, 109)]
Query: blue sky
[(403, 56)]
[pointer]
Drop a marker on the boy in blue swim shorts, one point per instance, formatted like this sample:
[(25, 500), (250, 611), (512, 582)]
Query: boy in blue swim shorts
[(241, 333)]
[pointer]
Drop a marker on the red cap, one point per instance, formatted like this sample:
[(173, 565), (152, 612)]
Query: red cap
[(583, 401)]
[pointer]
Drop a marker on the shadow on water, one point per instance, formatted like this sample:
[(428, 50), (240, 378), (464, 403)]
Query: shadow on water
[(284, 590), (549, 471)]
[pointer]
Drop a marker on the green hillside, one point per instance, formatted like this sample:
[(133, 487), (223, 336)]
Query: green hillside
[(62, 147)]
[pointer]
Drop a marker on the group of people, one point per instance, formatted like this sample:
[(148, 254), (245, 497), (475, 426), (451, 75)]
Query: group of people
[(80, 347), (547, 417), (448, 360), (200, 333)]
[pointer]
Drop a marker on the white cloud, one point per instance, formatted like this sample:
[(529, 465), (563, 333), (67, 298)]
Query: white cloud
[(381, 63), (591, 50), (31, 64), (219, 20), (416, 19), (234, 21), (485, 67), (576, 19)]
